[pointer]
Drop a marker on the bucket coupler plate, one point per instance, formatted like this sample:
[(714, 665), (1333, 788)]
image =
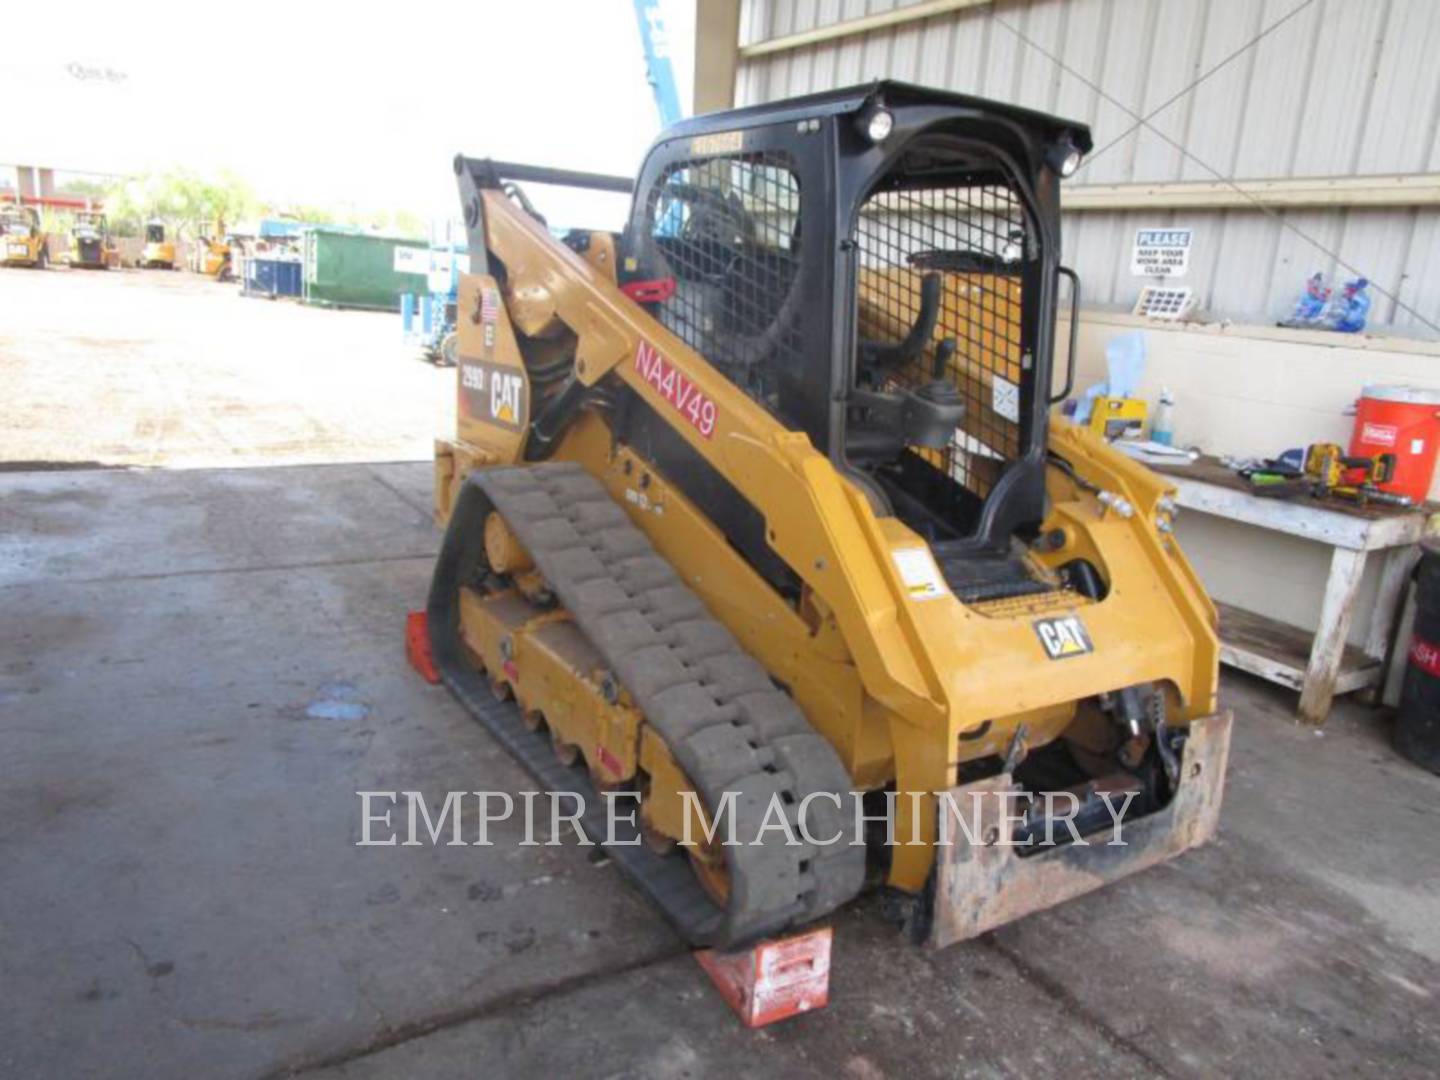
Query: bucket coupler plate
[(981, 886)]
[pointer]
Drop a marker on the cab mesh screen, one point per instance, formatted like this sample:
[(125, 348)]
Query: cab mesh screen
[(974, 239), (726, 230)]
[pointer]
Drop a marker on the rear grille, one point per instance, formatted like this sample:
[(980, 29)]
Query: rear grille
[(974, 576)]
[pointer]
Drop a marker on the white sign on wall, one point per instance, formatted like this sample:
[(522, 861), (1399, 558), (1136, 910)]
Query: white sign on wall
[(410, 260), (440, 262), (1161, 252)]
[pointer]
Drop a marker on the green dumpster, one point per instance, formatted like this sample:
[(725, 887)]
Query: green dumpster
[(360, 270)]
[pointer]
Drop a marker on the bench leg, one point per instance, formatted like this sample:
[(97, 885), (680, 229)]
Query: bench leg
[(1388, 598), (1346, 568)]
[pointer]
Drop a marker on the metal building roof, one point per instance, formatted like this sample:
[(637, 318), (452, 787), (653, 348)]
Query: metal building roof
[(1338, 89)]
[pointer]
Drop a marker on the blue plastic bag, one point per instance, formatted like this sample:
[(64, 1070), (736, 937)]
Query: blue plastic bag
[(1350, 309), (1124, 367)]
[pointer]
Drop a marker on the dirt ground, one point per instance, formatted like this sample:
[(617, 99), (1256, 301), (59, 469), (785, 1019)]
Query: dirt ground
[(201, 667), (154, 367)]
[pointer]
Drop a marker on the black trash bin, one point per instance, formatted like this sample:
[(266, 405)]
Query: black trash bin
[(1417, 734)]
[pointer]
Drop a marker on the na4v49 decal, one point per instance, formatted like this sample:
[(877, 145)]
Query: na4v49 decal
[(670, 383), (1063, 637)]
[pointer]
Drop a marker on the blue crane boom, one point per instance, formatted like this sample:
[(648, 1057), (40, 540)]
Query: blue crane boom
[(658, 71)]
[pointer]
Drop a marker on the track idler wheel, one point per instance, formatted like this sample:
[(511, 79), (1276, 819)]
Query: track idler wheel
[(505, 554)]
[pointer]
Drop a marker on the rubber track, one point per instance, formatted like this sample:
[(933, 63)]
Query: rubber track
[(726, 723)]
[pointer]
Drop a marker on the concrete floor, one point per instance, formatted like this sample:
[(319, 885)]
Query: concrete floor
[(182, 894), (200, 667)]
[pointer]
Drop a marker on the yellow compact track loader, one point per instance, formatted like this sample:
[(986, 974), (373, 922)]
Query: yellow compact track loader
[(159, 251), (22, 236), (91, 247), (757, 515)]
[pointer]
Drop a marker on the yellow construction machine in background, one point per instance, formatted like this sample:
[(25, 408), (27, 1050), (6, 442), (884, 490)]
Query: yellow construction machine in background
[(213, 253), (22, 238), (91, 246), (159, 250)]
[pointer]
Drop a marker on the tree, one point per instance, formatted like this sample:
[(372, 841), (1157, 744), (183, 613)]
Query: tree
[(183, 198), (94, 190), (314, 215), (180, 198)]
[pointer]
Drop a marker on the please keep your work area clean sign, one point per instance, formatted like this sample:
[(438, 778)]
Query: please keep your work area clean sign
[(1161, 253)]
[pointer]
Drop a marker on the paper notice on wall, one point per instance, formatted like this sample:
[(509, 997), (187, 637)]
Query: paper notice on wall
[(1161, 253), (409, 260), (445, 270)]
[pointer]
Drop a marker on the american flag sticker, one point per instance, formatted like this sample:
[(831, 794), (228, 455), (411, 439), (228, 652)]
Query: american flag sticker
[(489, 305)]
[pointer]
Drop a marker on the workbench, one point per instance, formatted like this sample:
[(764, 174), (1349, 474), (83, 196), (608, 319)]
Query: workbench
[(1323, 664)]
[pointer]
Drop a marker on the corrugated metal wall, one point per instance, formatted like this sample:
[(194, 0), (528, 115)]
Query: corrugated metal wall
[(1345, 87)]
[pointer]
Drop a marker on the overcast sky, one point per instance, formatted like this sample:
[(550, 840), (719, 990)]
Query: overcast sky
[(333, 102)]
